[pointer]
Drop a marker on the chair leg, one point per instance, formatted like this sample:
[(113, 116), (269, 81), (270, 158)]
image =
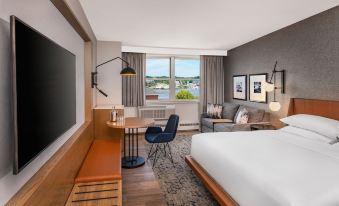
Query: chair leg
[(155, 155), (164, 150), (148, 156), (155, 150), (161, 148), (170, 153)]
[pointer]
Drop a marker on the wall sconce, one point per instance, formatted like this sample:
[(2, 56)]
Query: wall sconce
[(128, 71), (271, 86)]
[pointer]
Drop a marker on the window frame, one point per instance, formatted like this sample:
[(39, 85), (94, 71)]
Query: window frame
[(172, 78)]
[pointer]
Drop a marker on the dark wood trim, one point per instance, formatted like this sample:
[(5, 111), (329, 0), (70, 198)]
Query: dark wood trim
[(64, 9), (291, 107), (101, 130), (324, 108), (217, 191), (88, 55)]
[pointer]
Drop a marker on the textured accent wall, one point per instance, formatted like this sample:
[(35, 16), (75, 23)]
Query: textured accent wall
[(307, 50)]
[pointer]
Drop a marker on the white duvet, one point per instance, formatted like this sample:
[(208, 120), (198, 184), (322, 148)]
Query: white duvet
[(270, 167)]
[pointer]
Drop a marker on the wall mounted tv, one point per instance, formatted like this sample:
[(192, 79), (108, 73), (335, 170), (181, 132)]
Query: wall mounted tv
[(44, 92)]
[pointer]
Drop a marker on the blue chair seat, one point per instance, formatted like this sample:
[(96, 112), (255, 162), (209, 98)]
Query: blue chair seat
[(158, 138), (155, 135)]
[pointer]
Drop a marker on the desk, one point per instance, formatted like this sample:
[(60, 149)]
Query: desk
[(132, 159)]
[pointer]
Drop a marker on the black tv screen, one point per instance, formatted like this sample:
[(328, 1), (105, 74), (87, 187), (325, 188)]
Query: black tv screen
[(44, 92)]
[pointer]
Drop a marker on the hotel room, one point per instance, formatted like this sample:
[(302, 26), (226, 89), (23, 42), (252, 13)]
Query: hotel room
[(179, 103)]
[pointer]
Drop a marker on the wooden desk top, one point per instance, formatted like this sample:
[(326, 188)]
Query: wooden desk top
[(131, 122)]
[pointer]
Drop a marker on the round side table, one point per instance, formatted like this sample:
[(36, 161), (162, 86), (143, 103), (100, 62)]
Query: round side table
[(131, 158)]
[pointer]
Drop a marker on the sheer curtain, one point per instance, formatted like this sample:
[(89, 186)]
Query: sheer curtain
[(133, 86), (212, 81)]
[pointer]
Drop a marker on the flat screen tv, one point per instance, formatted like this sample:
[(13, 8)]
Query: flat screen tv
[(44, 92)]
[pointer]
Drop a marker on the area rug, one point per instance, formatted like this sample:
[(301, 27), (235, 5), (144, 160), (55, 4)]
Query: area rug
[(179, 184)]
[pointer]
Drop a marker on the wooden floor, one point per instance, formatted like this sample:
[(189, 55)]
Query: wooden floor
[(139, 185)]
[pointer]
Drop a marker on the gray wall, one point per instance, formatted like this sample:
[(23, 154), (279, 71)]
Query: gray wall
[(109, 78), (43, 16), (5, 132), (307, 50)]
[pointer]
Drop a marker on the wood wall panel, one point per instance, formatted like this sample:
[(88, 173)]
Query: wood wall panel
[(52, 184), (64, 9), (88, 81), (101, 130), (324, 108)]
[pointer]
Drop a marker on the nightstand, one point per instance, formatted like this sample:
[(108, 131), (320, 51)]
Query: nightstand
[(262, 127)]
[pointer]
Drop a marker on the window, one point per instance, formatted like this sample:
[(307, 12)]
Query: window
[(157, 78), (172, 78), (187, 78)]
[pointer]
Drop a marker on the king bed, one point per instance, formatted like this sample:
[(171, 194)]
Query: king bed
[(292, 166)]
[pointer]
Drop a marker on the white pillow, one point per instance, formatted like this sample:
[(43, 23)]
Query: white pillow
[(321, 125), (306, 134), (214, 110), (242, 117)]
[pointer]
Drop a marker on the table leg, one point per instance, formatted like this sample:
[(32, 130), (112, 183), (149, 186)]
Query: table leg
[(132, 144), (137, 142), (129, 143), (124, 143), (132, 161)]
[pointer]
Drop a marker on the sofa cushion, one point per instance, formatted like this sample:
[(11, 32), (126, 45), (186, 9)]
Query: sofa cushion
[(229, 110), (231, 127), (207, 122), (255, 114), (223, 127)]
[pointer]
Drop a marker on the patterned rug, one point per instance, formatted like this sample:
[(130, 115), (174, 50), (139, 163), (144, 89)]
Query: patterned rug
[(179, 184)]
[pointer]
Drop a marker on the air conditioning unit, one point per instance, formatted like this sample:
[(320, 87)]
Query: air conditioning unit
[(156, 112)]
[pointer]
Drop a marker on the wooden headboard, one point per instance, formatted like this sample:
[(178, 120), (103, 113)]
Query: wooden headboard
[(324, 108)]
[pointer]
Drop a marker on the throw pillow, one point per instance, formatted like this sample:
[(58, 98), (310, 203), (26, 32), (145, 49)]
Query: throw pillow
[(242, 116), (214, 111)]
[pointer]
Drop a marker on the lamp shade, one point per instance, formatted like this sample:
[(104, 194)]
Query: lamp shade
[(269, 87), (275, 106), (128, 71)]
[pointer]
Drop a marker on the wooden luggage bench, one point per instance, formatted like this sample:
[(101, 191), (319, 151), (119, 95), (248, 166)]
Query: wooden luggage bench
[(99, 179)]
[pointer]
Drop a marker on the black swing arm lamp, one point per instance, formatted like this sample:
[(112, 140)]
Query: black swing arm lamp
[(127, 71), (271, 86), (272, 82)]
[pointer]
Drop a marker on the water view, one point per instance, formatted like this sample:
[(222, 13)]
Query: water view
[(163, 94), (185, 82)]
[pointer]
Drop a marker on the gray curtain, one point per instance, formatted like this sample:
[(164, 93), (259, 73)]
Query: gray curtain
[(133, 86), (212, 81)]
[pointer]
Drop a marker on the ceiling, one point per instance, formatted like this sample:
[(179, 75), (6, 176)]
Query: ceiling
[(195, 24)]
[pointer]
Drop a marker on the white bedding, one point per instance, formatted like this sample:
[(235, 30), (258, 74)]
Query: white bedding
[(271, 167)]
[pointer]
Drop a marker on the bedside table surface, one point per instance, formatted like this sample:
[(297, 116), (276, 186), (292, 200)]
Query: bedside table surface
[(262, 127)]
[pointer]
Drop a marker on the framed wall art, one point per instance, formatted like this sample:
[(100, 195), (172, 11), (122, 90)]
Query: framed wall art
[(256, 88), (240, 87)]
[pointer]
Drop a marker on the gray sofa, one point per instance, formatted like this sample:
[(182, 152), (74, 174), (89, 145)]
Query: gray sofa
[(229, 112)]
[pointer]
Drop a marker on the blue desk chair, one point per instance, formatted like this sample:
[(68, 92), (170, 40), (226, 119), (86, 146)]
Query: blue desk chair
[(161, 139)]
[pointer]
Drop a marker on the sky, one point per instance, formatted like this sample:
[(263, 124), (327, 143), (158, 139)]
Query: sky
[(183, 68)]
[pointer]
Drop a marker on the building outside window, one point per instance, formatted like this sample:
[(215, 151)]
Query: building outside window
[(172, 78)]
